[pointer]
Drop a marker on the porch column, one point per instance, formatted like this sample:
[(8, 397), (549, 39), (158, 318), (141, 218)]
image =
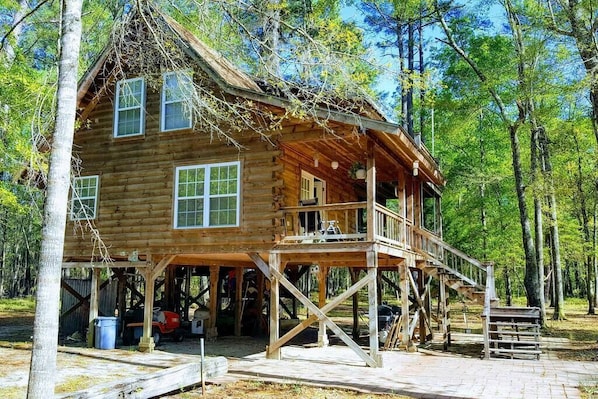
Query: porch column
[(322, 291), (402, 200), (146, 342), (94, 297), (372, 270), (371, 192), (274, 307)]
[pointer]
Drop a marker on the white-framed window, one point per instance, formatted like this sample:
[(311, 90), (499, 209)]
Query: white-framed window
[(177, 89), (207, 195), (129, 115), (84, 198)]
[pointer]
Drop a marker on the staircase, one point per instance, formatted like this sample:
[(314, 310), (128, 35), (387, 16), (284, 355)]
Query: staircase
[(508, 331), (512, 332)]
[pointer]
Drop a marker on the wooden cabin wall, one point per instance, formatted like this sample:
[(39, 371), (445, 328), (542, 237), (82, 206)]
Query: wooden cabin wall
[(339, 187), (136, 184)]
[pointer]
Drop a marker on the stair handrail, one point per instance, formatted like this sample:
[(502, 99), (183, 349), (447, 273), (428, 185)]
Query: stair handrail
[(476, 276)]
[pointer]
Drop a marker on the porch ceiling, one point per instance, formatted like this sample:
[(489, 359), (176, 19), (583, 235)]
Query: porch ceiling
[(346, 146), (346, 150)]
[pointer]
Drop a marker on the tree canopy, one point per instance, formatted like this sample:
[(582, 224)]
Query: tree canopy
[(464, 77)]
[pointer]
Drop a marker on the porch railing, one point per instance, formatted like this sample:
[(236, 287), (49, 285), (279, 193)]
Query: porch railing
[(391, 228), (344, 222)]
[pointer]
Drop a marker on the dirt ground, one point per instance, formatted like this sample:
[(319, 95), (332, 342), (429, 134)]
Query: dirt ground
[(15, 336), (16, 333)]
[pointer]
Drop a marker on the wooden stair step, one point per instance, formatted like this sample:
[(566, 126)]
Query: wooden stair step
[(515, 342), (516, 333), (518, 325), (506, 350)]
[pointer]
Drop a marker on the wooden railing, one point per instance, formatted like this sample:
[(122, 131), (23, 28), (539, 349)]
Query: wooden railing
[(346, 222), (325, 223), (467, 268), (391, 228)]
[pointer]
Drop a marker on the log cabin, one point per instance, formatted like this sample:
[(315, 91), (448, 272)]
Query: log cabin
[(163, 194)]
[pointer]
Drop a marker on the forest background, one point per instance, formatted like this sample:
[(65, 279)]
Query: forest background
[(503, 93)]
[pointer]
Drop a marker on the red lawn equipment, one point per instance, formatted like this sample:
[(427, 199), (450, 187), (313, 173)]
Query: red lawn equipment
[(164, 323)]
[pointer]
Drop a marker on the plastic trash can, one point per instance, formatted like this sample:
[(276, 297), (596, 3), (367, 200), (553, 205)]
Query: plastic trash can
[(105, 332)]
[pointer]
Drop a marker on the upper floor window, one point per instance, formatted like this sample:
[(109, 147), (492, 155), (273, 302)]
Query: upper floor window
[(176, 96), (129, 102), (207, 195), (84, 199)]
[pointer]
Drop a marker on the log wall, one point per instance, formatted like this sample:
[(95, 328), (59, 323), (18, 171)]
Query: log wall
[(136, 188)]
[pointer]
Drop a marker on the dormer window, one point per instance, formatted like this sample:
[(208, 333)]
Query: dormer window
[(129, 117), (177, 89)]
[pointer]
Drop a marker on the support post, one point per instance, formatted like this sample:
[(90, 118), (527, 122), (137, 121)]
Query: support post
[(146, 342), (404, 285), (372, 270), (238, 300), (212, 332), (445, 312), (423, 316), (260, 292), (322, 291), (274, 306), (93, 305), (355, 303)]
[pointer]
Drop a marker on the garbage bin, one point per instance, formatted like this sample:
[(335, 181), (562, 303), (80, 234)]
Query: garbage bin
[(105, 332)]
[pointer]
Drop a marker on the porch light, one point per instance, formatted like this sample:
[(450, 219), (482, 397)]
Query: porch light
[(415, 168), (334, 165), (316, 159)]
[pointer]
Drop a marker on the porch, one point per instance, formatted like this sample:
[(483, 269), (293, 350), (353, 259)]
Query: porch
[(372, 238)]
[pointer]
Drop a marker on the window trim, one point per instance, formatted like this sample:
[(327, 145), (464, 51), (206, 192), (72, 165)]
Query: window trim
[(206, 195), (76, 197), (141, 107), (164, 102)]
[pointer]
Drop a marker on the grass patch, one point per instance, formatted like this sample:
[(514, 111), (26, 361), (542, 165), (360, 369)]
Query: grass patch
[(77, 383), (589, 391), (17, 305), (12, 392)]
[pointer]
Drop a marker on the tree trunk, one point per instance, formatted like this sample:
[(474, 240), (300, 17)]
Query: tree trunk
[(559, 300), (508, 288), (421, 70), (410, 66), (532, 280), (532, 277), (271, 37), (17, 29), (538, 214), (45, 328), (403, 75), (590, 288)]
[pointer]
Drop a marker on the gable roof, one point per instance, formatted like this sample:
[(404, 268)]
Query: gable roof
[(234, 81)]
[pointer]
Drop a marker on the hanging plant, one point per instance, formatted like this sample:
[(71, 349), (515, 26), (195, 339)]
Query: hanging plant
[(357, 171)]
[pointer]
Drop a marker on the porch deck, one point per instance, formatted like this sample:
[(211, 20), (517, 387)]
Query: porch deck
[(346, 228)]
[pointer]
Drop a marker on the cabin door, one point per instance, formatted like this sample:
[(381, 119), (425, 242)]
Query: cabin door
[(312, 187)]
